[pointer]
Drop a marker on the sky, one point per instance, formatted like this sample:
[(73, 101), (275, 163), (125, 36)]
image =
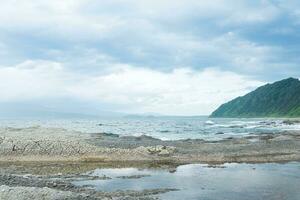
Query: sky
[(171, 57)]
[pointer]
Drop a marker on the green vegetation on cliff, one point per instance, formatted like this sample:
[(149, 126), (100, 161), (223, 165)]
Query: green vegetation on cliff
[(280, 99)]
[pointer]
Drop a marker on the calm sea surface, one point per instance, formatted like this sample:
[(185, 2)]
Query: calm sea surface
[(166, 128)]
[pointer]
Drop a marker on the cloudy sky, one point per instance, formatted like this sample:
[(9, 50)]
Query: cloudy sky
[(151, 56)]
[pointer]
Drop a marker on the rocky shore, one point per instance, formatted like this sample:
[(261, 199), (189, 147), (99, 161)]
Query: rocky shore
[(54, 157), (56, 187), (54, 144)]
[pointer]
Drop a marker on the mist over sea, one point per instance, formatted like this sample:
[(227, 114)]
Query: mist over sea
[(165, 128)]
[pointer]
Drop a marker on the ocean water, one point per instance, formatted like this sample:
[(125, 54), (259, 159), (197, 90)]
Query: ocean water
[(198, 181), (165, 128)]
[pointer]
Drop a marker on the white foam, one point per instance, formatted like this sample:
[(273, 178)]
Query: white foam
[(209, 122)]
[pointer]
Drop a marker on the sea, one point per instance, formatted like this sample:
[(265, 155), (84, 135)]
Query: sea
[(162, 127)]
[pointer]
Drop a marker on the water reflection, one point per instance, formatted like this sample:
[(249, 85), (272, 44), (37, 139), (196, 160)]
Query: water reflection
[(230, 181)]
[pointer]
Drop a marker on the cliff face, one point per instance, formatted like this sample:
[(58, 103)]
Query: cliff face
[(280, 99)]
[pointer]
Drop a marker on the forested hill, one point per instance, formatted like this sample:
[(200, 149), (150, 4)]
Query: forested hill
[(280, 99)]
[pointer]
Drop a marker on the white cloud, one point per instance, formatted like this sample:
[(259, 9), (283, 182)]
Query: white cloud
[(182, 91), (94, 20), (148, 33), (32, 79)]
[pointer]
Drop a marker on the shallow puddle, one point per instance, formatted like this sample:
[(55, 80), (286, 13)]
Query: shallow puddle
[(196, 181)]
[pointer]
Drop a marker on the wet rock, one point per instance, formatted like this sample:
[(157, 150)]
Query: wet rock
[(268, 123), (100, 177), (215, 166), (290, 122), (172, 170), (110, 135), (237, 126), (134, 176)]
